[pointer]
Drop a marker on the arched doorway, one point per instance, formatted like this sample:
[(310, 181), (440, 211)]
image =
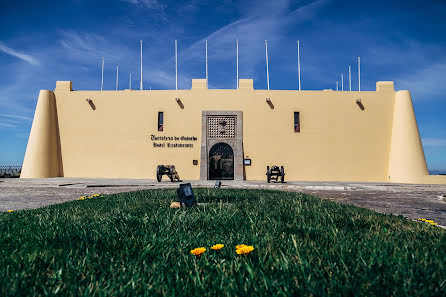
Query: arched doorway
[(221, 161)]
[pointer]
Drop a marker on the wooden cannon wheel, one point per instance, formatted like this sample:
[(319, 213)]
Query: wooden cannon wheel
[(268, 174)]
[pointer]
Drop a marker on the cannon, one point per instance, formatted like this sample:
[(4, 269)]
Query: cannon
[(275, 173), (168, 170)]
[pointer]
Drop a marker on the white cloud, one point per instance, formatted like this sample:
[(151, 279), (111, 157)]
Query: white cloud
[(16, 54), (434, 142)]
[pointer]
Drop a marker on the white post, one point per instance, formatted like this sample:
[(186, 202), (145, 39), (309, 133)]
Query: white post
[(237, 64), (337, 86), (298, 61), (140, 83), (267, 68), (130, 81), (350, 77), (342, 82), (206, 64), (117, 74), (176, 67), (102, 80), (359, 73)]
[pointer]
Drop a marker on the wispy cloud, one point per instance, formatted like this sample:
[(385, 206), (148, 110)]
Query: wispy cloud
[(14, 53), (428, 82), (13, 121), (434, 142), (150, 4), (87, 47), (7, 125), (267, 20), (15, 117)]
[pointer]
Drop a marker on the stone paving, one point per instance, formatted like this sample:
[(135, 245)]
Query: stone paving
[(411, 201)]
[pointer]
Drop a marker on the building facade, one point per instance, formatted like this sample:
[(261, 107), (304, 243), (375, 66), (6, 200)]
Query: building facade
[(368, 136)]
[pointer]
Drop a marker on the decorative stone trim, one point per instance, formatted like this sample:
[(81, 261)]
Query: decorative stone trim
[(232, 135)]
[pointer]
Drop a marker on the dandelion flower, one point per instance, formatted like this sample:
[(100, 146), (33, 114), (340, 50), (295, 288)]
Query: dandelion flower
[(217, 247), (240, 246), (11, 210), (198, 251), (244, 250)]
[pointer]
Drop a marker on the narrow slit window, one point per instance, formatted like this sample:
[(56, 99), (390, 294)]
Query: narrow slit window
[(296, 121), (160, 121)]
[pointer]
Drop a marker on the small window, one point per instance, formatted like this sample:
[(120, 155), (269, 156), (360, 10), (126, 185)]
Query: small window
[(160, 121), (296, 121)]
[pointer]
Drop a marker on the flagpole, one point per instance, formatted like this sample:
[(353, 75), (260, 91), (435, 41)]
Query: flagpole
[(102, 80), (206, 64), (130, 81), (337, 86), (350, 77), (359, 73), (298, 61), (117, 75), (342, 82), (176, 66), (237, 64), (140, 83), (267, 68)]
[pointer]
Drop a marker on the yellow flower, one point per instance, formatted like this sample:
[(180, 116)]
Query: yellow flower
[(10, 210), (82, 198), (198, 251), (217, 247), (240, 246), (244, 249), (96, 195)]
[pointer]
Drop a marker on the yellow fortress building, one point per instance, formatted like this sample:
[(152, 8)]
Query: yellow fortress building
[(364, 136)]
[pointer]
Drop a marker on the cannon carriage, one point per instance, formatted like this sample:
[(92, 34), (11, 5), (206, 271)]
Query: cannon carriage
[(275, 173), (168, 170)]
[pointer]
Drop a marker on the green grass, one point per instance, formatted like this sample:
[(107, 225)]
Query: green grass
[(134, 244)]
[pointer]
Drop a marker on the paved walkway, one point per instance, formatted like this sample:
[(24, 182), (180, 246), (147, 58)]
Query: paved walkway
[(411, 201)]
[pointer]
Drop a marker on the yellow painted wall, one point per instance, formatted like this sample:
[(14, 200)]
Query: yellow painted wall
[(338, 141)]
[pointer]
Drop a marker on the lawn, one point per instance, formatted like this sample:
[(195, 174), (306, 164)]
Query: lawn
[(134, 244)]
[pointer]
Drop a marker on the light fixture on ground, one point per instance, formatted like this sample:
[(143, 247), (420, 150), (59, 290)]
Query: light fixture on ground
[(186, 196)]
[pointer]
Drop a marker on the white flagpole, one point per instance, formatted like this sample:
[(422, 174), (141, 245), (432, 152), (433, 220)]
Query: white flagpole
[(102, 80), (350, 77), (237, 64), (206, 64), (359, 73), (176, 67), (337, 86), (117, 74), (298, 61), (140, 83), (267, 68), (342, 82), (130, 81)]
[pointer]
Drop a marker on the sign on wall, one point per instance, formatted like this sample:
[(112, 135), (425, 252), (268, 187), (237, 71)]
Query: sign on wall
[(173, 141)]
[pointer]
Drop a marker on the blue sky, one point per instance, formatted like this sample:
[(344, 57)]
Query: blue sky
[(45, 41)]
